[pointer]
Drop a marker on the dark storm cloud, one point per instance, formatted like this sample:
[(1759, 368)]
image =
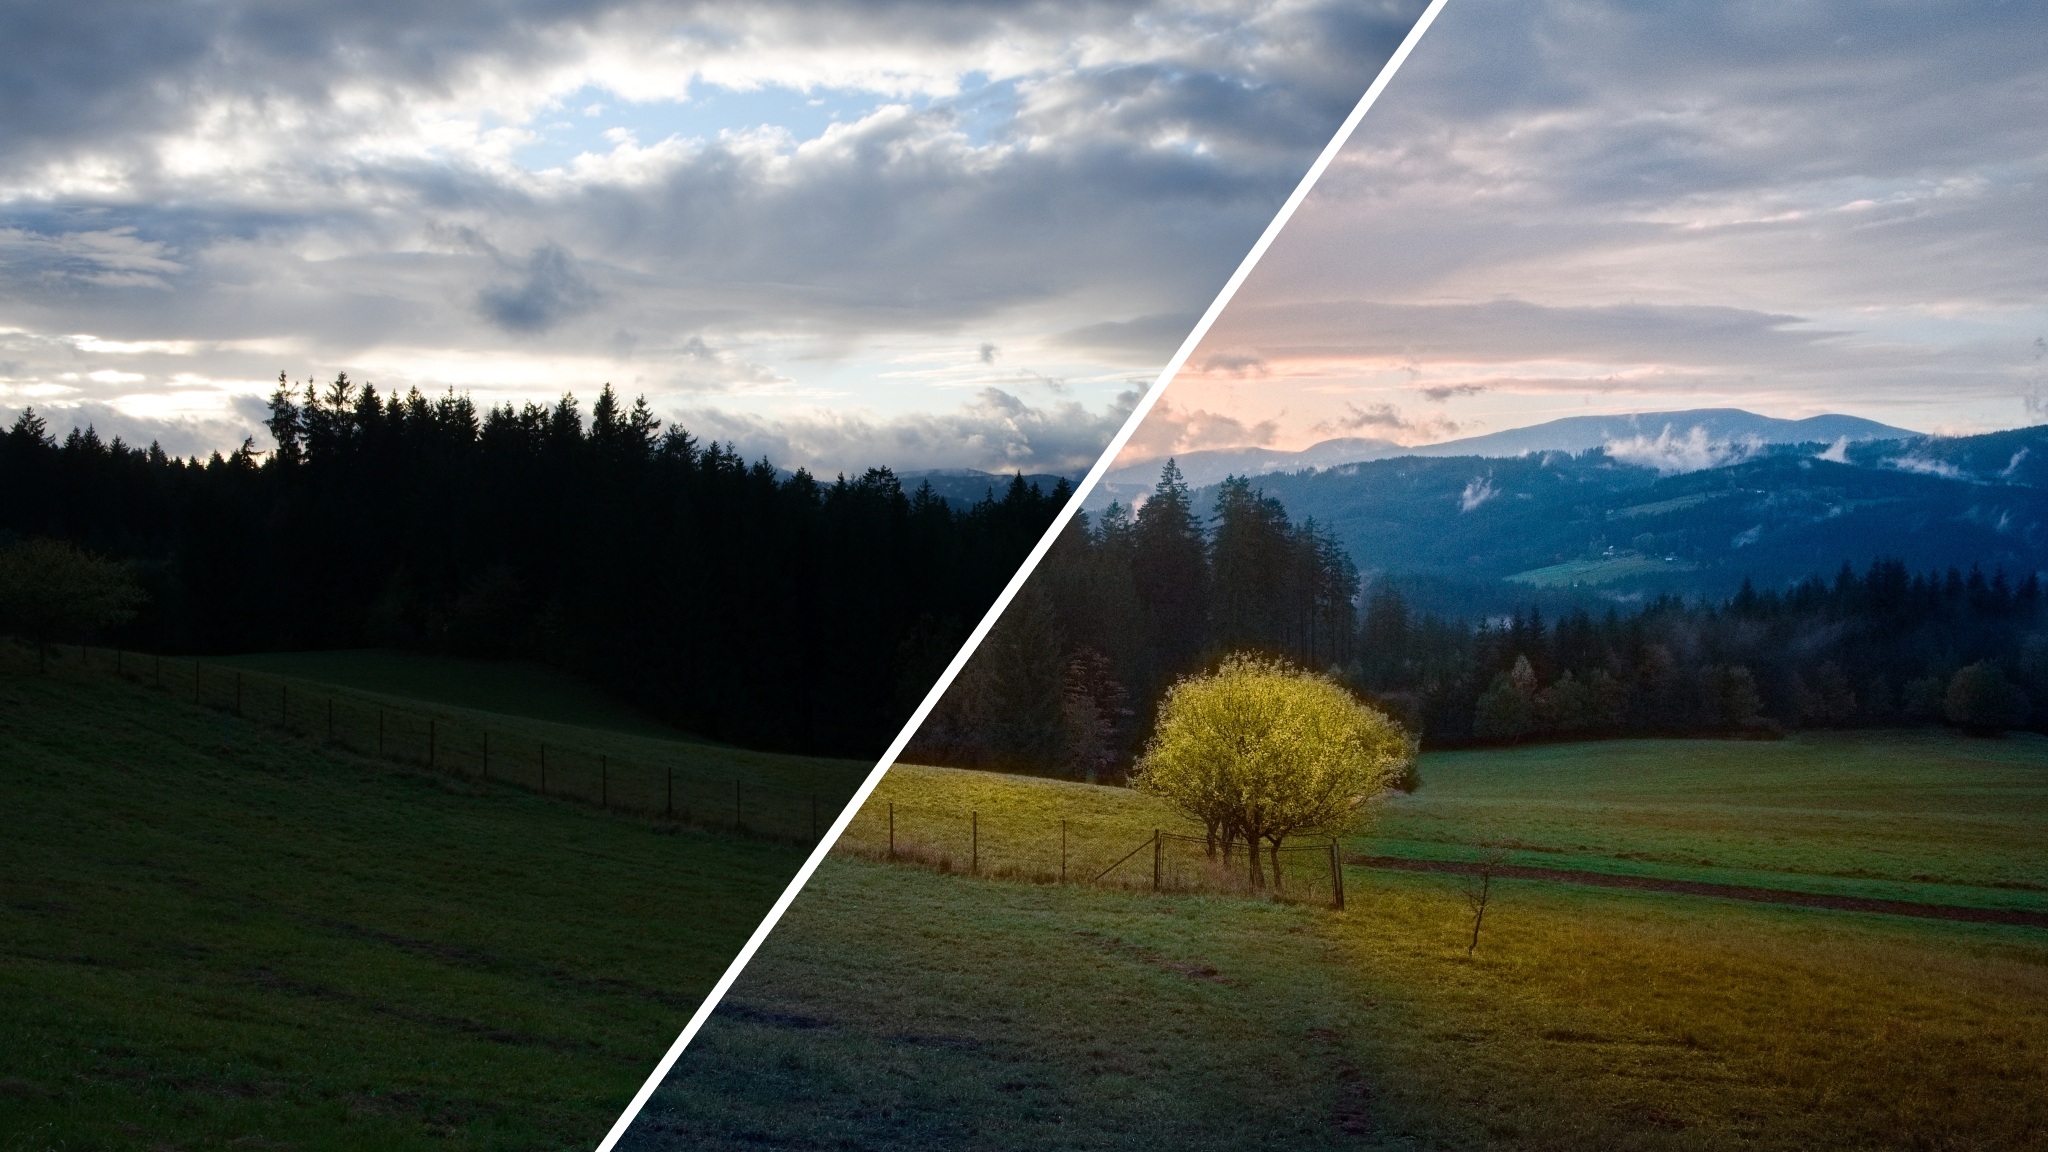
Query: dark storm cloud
[(546, 291)]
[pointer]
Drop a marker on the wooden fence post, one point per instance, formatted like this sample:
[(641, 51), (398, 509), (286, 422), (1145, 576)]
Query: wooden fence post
[(974, 852), (1157, 852), (1337, 874)]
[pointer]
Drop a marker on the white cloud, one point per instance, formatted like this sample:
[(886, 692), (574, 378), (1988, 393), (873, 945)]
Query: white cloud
[(1591, 207), (600, 184), (1696, 451), (1926, 467)]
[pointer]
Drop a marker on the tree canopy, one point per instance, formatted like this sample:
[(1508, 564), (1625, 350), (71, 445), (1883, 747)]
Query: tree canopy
[(51, 590), (1123, 605), (1259, 750), (732, 598)]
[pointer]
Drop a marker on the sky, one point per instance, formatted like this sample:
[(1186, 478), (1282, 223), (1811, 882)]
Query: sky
[(1566, 207), (921, 234)]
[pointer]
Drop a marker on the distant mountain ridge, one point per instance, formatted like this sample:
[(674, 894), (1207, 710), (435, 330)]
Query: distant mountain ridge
[(1573, 434), (1477, 535), (964, 487)]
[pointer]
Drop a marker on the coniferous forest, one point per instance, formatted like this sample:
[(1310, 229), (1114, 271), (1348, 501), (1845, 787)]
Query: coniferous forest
[(768, 609), (1068, 681)]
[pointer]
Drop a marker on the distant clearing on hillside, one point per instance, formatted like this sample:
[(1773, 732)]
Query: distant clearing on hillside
[(1592, 573)]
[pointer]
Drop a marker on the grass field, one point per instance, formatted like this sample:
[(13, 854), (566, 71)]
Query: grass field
[(269, 943), (901, 1007), (507, 732), (510, 688), (1923, 815)]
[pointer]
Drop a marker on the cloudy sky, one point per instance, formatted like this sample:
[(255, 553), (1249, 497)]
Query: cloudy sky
[(1563, 207), (924, 234)]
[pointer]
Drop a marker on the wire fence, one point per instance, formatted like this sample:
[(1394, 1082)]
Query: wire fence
[(468, 747), (1060, 850)]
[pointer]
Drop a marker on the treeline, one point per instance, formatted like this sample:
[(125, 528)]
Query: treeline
[(1122, 606), (1885, 648), (1069, 680), (770, 610)]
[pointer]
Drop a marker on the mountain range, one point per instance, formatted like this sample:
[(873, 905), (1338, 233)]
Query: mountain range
[(1689, 512), (1699, 429), (962, 488)]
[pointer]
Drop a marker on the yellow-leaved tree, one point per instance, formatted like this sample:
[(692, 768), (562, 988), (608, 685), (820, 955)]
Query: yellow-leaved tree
[(1260, 750)]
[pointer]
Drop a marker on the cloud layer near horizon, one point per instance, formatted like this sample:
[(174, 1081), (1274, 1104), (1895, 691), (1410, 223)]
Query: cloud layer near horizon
[(901, 233), (1564, 208)]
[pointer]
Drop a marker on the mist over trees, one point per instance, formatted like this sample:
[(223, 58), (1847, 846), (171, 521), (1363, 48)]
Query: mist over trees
[(1125, 605), (766, 609)]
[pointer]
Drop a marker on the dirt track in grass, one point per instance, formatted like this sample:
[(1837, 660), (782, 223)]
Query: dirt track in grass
[(2015, 916)]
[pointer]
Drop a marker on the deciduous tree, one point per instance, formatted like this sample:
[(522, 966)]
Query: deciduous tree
[(1259, 750)]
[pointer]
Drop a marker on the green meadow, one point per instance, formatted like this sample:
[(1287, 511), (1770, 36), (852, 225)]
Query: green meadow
[(1921, 815), (515, 688), (214, 934), (907, 1007), (522, 705)]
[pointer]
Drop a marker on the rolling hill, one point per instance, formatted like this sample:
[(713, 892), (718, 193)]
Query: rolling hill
[(965, 487), (1482, 534)]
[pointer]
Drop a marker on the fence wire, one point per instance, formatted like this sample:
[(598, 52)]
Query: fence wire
[(1052, 850), (470, 748)]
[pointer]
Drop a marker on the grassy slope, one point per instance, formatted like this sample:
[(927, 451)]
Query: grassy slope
[(513, 689), (511, 702), (903, 1008), (1925, 816), (896, 1008), (1912, 815), (285, 945)]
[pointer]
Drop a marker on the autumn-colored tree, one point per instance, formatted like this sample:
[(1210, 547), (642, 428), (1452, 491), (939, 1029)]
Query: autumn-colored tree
[(1259, 750)]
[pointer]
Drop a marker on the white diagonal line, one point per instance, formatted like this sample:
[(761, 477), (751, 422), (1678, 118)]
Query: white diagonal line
[(1087, 485)]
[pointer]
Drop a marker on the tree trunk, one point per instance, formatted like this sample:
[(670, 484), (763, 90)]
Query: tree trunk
[(1479, 911)]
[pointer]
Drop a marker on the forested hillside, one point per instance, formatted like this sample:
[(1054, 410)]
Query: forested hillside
[(775, 611), (1069, 680), (1472, 536)]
